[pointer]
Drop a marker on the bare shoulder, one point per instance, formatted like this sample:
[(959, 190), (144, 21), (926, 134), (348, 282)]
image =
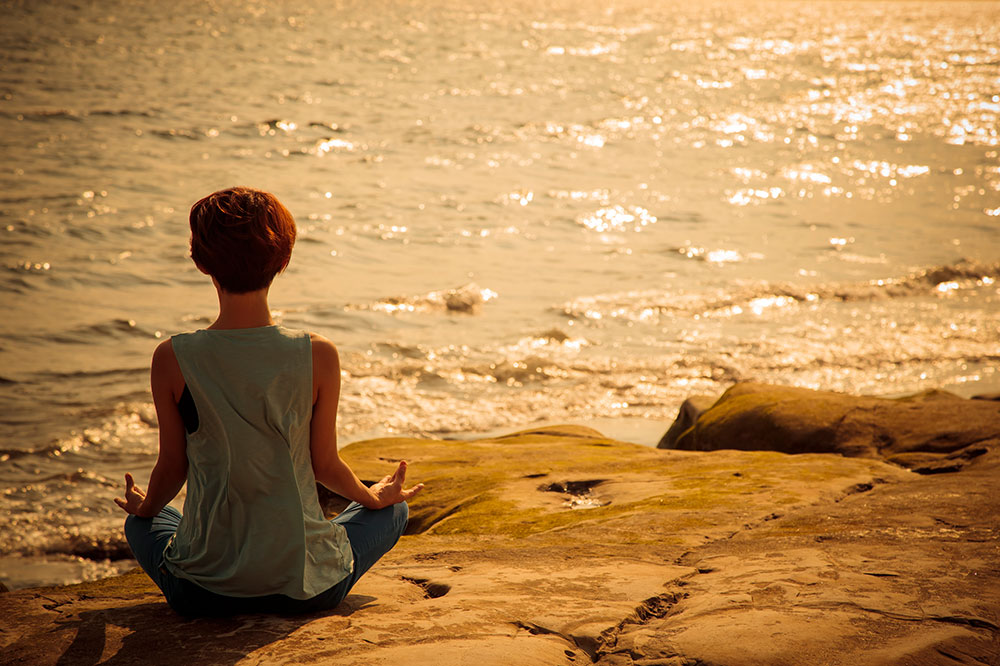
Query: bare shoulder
[(326, 368), (165, 372), (164, 359), (324, 353)]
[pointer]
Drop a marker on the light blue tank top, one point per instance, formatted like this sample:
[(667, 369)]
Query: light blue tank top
[(252, 522)]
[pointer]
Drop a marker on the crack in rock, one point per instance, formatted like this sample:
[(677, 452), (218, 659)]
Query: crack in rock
[(974, 622), (656, 607), (537, 629), (596, 647), (432, 590), (55, 605)]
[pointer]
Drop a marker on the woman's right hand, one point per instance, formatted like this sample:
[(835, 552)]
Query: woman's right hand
[(390, 489), (134, 495)]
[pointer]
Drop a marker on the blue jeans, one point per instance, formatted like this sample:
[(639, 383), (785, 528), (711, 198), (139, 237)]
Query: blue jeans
[(372, 534)]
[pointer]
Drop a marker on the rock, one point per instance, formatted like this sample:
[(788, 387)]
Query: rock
[(723, 557), (819, 583), (917, 431), (987, 396), (689, 412)]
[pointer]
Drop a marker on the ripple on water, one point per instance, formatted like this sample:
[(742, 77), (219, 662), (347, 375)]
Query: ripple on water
[(617, 218), (467, 299)]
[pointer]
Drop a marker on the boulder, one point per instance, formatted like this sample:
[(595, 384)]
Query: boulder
[(929, 432), (689, 412), (560, 546)]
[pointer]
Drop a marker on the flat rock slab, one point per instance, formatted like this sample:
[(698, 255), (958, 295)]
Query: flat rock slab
[(561, 546), (906, 573)]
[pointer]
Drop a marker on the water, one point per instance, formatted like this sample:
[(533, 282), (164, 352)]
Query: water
[(509, 213)]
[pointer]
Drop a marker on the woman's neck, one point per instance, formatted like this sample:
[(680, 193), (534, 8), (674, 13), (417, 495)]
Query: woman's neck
[(249, 310)]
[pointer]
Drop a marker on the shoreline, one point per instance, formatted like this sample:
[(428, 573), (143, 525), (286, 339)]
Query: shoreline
[(19, 571), (563, 546)]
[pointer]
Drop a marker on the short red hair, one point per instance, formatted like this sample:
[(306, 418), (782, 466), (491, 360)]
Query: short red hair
[(242, 237)]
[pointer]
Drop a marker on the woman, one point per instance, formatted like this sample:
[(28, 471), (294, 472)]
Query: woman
[(247, 415)]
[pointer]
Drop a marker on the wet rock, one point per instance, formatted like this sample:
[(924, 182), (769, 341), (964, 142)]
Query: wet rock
[(916, 431)]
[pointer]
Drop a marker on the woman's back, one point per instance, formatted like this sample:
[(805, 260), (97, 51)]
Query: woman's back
[(252, 522)]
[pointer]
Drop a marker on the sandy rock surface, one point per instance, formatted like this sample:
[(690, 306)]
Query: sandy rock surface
[(560, 546)]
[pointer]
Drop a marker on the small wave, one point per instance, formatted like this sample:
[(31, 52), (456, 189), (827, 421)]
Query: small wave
[(275, 125), (63, 512), (332, 144), (467, 299), (197, 320), (854, 258), (602, 196), (174, 133), (85, 431), (75, 478), (617, 218), (78, 115), (554, 340), (400, 350), (22, 225), (93, 547), (332, 127), (555, 335), (16, 284), (528, 370), (648, 305), (716, 256), (115, 427), (119, 326), (14, 454), (47, 114), (102, 332), (93, 374), (285, 126), (121, 113), (88, 544)]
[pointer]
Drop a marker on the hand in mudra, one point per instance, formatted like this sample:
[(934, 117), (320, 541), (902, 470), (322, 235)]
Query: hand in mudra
[(134, 495), (390, 489)]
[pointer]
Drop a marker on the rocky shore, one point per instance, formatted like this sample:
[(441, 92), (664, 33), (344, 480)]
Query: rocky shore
[(782, 526)]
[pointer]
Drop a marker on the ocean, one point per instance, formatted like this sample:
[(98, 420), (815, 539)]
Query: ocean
[(510, 214)]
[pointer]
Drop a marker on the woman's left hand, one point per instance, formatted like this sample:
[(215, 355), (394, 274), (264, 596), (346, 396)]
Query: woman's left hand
[(134, 496), (390, 490)]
